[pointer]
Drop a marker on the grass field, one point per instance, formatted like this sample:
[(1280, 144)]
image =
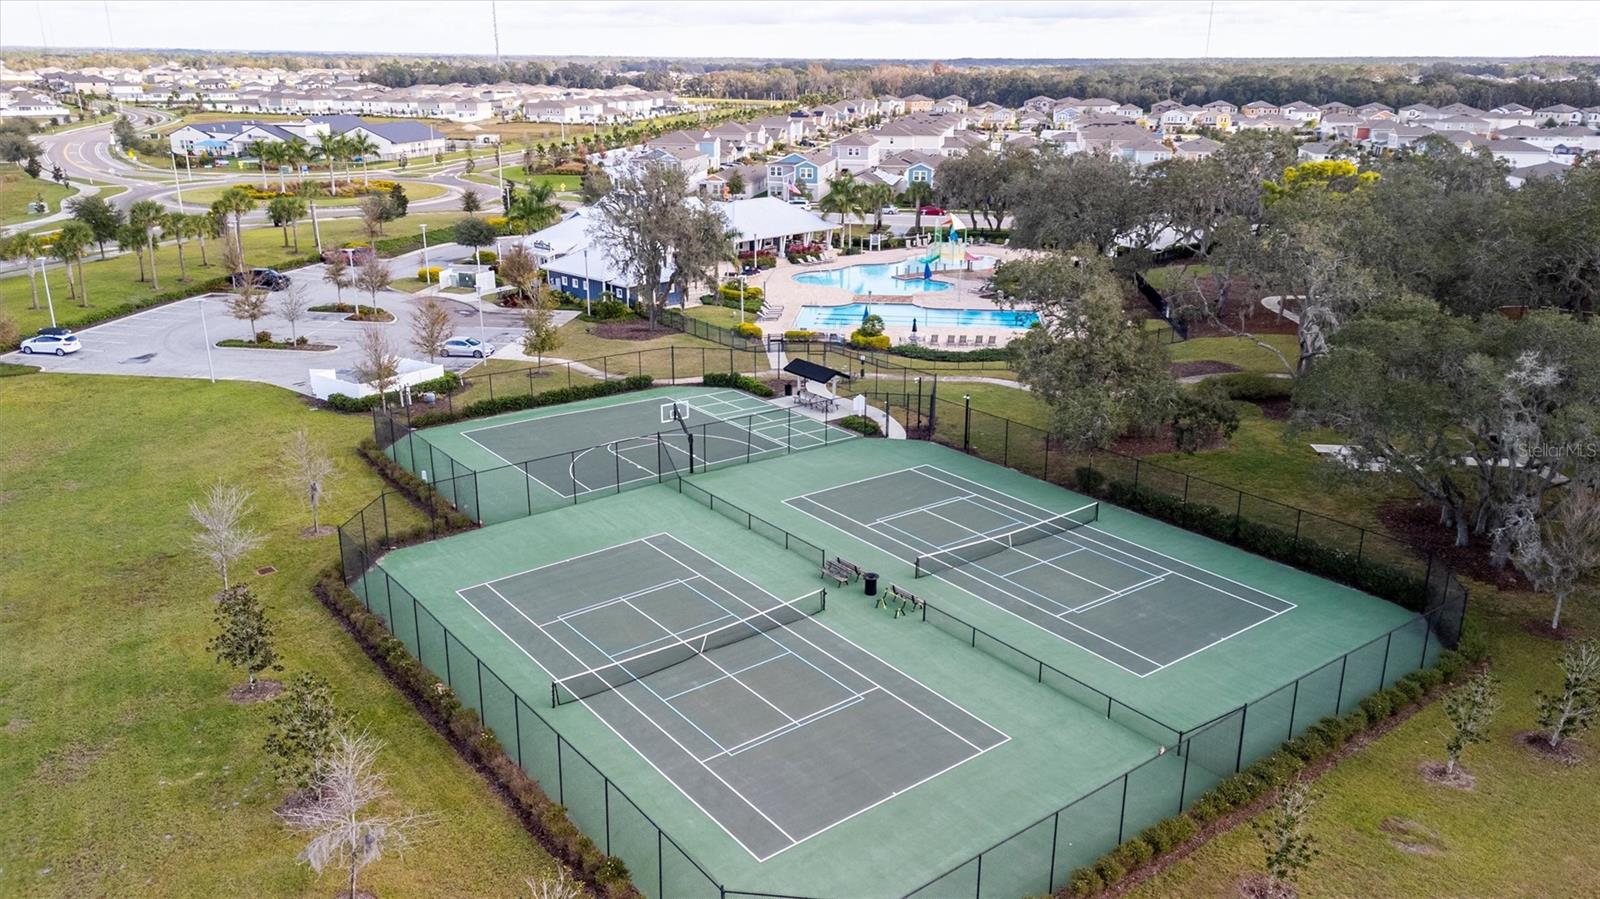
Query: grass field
[(17, 190), (1240, 351), (125, 768), (116, 280), (518, 174)]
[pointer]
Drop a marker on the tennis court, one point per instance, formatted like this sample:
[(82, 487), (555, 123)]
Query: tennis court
[(765, 718), (1131, 605), (599, 448)]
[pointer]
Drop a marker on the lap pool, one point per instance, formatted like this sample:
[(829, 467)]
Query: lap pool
[(890, 277), (901, 315)]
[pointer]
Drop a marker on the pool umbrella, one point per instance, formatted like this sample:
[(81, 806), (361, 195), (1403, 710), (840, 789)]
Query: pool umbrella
[(913, 326)]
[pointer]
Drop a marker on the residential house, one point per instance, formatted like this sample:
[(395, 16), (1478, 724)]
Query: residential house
[(20, 102), (1418, 112), (718, 185), (950, 104), (908, 167), (1338, 125), (857, 152), (1376, 111), (1299, 112), (577, 259), (917, 103), (801, 178), (1561, 114), (1518, 177), (1469, 124), (1519, 153), (1040, 104), (1145, 151), (1223, 107), (398, 139), (1258, 108), (1337, 108), (1197, 148), (1220, 119), (1099, 106)]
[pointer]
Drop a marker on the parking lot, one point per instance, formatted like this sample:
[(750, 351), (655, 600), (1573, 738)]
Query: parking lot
[(170, 341)]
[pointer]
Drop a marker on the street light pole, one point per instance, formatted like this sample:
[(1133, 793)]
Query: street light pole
[(427, 276), (205, 333), (178, 183), (44, 274)]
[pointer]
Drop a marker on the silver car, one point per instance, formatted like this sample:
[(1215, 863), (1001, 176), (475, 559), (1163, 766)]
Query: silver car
[(467, 346)]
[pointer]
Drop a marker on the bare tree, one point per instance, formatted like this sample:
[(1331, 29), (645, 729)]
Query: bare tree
[(519, 269), (560, 886), (233, 257), (348, 832), (1288, 847), (307, 469), (223, 538), (541, 335), (374, 210), (337, 273), (249, 304), (292, 306), (373, 277), (379, 364), (1563, 550), (1569, 712), (431, 327)]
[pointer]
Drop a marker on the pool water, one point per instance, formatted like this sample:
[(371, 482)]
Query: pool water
[(901, 315), (880, 277)]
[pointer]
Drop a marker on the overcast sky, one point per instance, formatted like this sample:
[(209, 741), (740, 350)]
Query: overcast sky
[(922, 29)]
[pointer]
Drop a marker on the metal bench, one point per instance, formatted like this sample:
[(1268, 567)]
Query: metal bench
[(841, 571), (900, 601)]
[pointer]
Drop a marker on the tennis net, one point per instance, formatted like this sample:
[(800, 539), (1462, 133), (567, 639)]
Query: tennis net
[(983, 547), (625, 671)]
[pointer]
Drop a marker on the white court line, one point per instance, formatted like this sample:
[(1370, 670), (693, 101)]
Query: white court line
[(846, 665), (1112, 597), (604, 603), (768, 636), (717, 680), (725, 672), (629, 743), (796, 724), (917, 551)]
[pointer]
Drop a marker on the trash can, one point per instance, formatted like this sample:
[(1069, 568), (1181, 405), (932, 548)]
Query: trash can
[(788, 388), (871, 580)]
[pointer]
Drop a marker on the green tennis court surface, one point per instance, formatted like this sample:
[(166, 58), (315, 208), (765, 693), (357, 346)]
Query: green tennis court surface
[(798, 743), (1128, 604)]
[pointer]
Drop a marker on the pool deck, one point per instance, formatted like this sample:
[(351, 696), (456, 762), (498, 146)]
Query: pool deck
[(783, 290)]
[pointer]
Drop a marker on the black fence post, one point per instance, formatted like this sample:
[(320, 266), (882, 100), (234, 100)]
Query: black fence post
[(966, 426)]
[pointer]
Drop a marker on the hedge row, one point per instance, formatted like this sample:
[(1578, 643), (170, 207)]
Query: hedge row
[(1386, 581), (1271, 772), (447, 383), (738, 382), (547, 820), (445, 516), (515, 403), (929, 354)]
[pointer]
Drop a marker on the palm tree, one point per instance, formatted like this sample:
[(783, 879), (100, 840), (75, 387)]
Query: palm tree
[(843, 198), (917, 195), (135, 238), (310, 191), (146, 215), (20, 247), (181, 227), (874, 197), (237, 202), (535, 208), (270, 153), (286, 211), (360, 146), (206, 224), (332, 147), (296, 153), (73, 238)]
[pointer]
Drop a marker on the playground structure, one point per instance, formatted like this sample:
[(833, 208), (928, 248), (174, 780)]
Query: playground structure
[(947, 252)]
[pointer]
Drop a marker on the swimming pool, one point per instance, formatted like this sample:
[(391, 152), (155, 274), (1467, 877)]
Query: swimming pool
[(901, 315), (880, 277)]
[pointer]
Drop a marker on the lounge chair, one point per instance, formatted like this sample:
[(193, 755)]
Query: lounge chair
[(992, 339), (962, 342), (949, 340)]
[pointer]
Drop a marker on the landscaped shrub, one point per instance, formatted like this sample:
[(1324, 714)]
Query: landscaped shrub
[(429, 274), (746, 329), (917, 351), (1254, 387), (1410, 691), (1168, 835), (1110, 870), (860, 424), (1377, 706), (875, 342), (485, 257), (738, 382), (609, 310), (730, 293), (449, 382), (1085, 882), (800, 336), (340, 402), (1133, 854)]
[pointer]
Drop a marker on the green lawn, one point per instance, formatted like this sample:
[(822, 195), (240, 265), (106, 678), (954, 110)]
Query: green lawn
[(115, 280), (125, 770), (721, 316), (1525, 830), (1240, 351), (519, 175), (17, 190)]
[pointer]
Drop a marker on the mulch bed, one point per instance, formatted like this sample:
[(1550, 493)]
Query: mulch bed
[(1277, 410), (1435, 773), (1417, 522), (1156, 443), (266, 690), (1202, 367), (1568, 753), (1540, 627), (1260, 886), (628, 330)]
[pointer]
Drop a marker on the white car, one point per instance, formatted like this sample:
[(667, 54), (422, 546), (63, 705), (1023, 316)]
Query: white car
[(60, 344), (890, 210), (467, 346)]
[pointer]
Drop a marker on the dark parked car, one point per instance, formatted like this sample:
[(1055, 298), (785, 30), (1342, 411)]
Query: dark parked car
[(270, 278)]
